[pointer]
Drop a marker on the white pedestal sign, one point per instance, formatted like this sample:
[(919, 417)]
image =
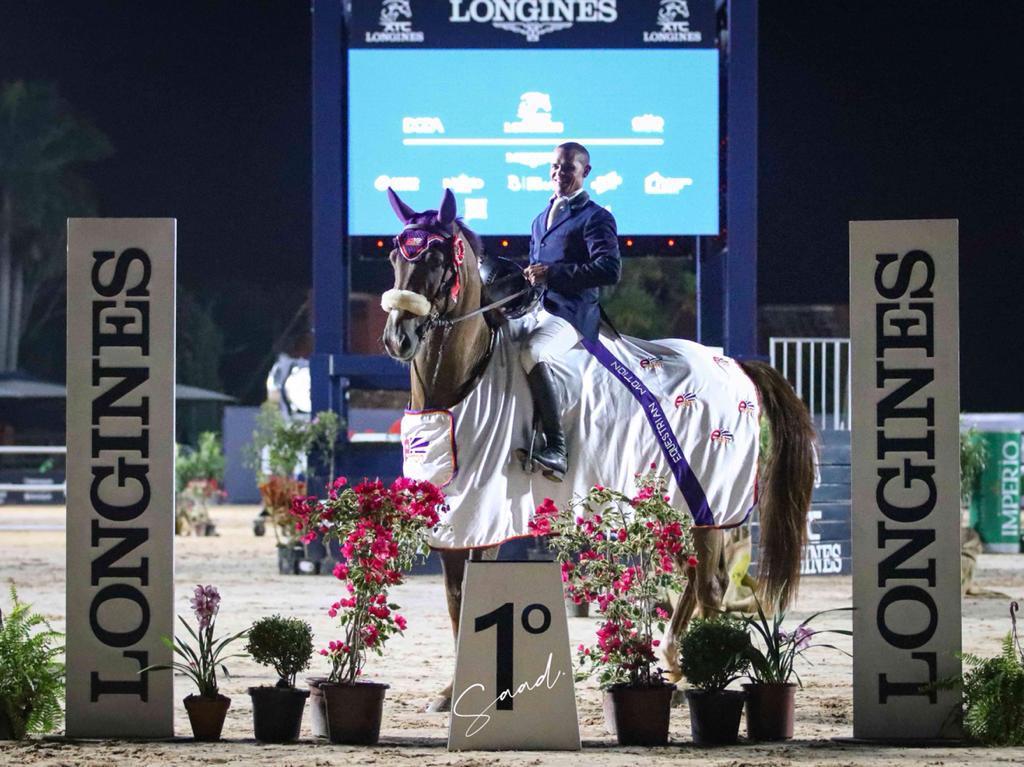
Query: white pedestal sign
[(120, 476), (513, 674), (904, 334)]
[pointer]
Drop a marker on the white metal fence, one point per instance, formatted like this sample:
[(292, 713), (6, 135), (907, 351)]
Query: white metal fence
[(819, 369), (33, 487)]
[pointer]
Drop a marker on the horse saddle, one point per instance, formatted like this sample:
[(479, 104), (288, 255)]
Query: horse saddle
[(503, 279)]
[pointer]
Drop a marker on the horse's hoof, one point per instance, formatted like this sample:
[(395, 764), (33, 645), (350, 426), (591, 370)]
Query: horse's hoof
[(442, 704)]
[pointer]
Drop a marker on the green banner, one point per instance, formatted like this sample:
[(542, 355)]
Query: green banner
[(995, 507)]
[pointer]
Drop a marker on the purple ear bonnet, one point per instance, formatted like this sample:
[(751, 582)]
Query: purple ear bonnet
[(436, 221)]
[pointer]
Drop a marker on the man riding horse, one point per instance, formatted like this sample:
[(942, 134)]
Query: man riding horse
[(574, 250)]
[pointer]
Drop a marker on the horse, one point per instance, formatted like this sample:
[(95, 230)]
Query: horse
[(441, 324)]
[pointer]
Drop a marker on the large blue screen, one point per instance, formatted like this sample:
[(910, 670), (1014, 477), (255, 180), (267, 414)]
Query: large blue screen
[(484, 122)]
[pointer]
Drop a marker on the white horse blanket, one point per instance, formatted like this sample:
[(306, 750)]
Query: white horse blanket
[(677, 404)]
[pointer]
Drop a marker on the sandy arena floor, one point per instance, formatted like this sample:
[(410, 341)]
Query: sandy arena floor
[(244, 568)]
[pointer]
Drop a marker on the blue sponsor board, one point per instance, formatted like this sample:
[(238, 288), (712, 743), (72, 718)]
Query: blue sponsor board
[(532, 23)]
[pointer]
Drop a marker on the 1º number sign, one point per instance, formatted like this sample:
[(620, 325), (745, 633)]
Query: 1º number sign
[(513, 674)]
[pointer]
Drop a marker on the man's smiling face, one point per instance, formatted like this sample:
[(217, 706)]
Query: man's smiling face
[(568, 169)]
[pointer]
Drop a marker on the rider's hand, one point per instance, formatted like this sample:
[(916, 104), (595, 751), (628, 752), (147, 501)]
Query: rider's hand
[(537, 274)]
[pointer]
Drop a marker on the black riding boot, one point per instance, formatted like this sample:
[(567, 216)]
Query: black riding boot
[(552, 459)]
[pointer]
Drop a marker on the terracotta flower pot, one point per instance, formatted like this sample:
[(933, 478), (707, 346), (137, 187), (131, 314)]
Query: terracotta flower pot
[(715, 716), (354, 712), (317, 706), (206, 715), (277, 713), (770, 710), (638, 716)]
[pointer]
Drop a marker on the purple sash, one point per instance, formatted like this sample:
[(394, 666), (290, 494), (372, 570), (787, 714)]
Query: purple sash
[(685, 478)]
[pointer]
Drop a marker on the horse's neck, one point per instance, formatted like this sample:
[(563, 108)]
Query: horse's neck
[(451, 356)]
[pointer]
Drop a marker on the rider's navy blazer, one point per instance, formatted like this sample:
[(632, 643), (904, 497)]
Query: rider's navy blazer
[(581, 250)]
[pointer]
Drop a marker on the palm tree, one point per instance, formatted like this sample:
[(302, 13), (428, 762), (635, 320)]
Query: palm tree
[(42, 142)]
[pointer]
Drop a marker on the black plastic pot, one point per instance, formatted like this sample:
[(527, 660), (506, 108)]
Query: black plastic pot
[(715, 716), (277, 713), (354, 712), (6, 728), (638, 716)]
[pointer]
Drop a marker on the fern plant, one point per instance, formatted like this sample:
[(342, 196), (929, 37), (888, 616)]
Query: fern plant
[(993, 693), (31, 677)]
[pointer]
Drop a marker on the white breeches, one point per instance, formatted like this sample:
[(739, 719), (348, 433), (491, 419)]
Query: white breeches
[(549, 340)]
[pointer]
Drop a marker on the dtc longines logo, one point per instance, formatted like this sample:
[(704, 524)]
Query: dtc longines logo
[(674, 23), (533, 18), (396, 24)]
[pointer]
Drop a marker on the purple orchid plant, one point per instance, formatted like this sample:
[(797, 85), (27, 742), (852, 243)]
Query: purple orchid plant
[(201, 663), (773, 655)]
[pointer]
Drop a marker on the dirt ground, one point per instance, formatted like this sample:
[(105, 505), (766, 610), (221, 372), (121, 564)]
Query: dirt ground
[(243, 567)]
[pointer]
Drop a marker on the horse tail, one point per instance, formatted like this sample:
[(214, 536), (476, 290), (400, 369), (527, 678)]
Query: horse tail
[(786, 483)]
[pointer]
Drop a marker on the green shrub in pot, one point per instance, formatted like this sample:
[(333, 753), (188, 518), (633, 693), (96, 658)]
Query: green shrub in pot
[(286, 645)]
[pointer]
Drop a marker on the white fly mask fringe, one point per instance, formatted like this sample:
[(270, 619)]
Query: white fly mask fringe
[(405, 300)]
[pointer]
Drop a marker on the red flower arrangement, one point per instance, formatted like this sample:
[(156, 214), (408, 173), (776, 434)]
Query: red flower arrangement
[(621, 553), (380, 531)]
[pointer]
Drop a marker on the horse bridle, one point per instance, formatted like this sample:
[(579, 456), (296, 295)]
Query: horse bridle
[(413, 248)]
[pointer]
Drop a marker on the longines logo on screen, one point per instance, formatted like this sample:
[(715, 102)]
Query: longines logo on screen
[(533, 18), (396, 23), (674, 20)]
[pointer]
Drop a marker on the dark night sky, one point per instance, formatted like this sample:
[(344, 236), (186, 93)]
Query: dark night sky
[(869, 109)]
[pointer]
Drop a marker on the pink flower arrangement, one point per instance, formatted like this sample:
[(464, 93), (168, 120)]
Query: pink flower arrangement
[(380, 531), (621, 553), (205, 603)]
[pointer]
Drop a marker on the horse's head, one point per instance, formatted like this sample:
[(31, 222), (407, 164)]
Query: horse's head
[(428, 260)]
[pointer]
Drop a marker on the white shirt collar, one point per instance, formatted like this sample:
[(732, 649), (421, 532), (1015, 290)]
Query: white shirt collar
[(570, 198)]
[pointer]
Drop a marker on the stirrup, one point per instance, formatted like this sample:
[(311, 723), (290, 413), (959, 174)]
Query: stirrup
[(526, 454)]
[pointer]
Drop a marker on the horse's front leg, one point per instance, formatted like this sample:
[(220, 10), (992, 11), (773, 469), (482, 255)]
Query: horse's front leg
[(453, 565)]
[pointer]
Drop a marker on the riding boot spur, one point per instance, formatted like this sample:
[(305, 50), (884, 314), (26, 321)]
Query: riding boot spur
[(553, 459)]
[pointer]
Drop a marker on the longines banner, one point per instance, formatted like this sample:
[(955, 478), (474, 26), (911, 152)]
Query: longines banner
[(120, 476), (906, 491), (532, 23)]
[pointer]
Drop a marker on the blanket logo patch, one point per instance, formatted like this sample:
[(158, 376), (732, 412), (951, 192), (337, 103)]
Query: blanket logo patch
[(722, 362), (722, 436), (651, 363), (686, 400), (414, 449), (746, 406)]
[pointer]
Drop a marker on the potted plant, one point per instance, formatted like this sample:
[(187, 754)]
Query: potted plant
[(31, 677), (206, 711), (286, 645), (199, 475), (620, 553), (278, 454), (380, 531), (713, 653), (771, 694)]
